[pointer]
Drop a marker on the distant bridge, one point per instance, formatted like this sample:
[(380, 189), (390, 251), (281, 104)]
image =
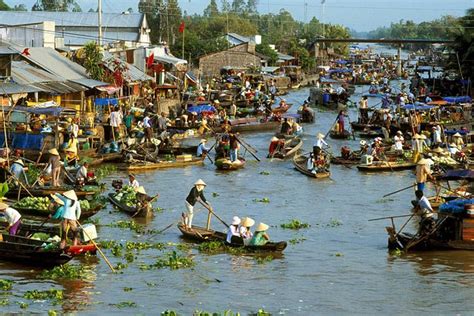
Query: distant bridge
[(383, 41)]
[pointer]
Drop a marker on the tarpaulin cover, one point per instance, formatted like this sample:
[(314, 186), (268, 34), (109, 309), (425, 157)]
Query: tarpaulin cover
[(105, 101), (201, 108), (25, 141), (454, 131), (458, 175), (417, 107), (455, 206), (54, 110), (462, 99)]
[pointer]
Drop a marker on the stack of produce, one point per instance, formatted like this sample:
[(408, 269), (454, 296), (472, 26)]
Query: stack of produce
[(127, 196), (33, 203)]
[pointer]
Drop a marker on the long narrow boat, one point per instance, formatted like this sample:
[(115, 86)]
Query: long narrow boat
[(379, 166), (356, 126), (300, 164), (29, 212), (27, 251), (201, 234), (336, 135), (282, 109), (145, 165), (46, 191), (226, 164), (255, 127), (341, 161), (291, 147), (132, 211)]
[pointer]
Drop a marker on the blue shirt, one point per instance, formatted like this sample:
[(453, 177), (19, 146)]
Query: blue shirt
[(201, 148), (18, 172)]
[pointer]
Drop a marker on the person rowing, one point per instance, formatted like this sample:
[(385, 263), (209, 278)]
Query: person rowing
[(202, 150), (197, 192), (260, 237), (143, 200), (72, 213), (132, 181)]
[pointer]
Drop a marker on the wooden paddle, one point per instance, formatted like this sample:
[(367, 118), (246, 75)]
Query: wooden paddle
[(42, 224), (212, 212), (246, 147), (41, 153), (392, 193), (97, 247), (149, 202)]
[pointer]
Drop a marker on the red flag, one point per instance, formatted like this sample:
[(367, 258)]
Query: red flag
[(181, 27), (150, 60), (26, 52)]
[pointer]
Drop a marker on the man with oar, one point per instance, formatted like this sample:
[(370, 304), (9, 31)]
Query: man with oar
[(196, 194)]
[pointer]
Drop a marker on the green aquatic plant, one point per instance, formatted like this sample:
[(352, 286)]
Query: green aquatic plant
[(262, 200), (127, 289), (263, 260), (334, 223), (172, 261), (132, 245), (51, 294), (295, 224), (52, 312), (132, 225), (23, 305), (215, 194), (264, 173), (224, 313), (121, 266), (65, 271), (4, 302), (6, 285), (211, 247), (261, 312), (117, 250), (107, 244), (169, 313), (126, 304), (104, 171), (296, 240)]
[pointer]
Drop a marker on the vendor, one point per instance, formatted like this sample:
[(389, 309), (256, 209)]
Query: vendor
[(132, 181), (13, 218), (17, 169), (202, 150)]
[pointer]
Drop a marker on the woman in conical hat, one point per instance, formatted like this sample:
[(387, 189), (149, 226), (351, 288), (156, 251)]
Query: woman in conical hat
[(260, 237), (72, 213), (54, 163), (245, 232), (196, 193)]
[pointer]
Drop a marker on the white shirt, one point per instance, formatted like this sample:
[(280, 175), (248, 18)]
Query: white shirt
[(72, 212), (82, 173), (398, 142), (233, 231), (146, 122), (134, 184), (320, 142), (116, 118), (12, 215), (425, 205)]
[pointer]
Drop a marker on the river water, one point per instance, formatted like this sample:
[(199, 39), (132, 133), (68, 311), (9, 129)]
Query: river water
[(342, 266)]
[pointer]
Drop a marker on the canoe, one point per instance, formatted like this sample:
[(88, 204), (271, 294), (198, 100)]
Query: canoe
[(102, 158), (300, 164), (378, 166), (28, 212), (132, 211), (341, 161), (336, 135), (145, 165), (370, 134), (290, 148), (226, 164), (282, 109), (360, 126), (46, 191), (201, 234), (255, 127), (28, 251)]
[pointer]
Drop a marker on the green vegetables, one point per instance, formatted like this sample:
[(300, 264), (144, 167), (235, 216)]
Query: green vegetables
[(127, 196), (36, 203), (84, 205)]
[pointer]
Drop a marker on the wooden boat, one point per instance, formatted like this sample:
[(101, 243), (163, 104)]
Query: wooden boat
[(86, 213), (226, 164), (291, 147), (341, 161), (370, 133), (282, 109), (132, 211), (379, 166), (138, 166), (102, 158), (46, 191), (30, 252), (300, 164), (335, 135), (356, 126), (201, 234), (255, 127)]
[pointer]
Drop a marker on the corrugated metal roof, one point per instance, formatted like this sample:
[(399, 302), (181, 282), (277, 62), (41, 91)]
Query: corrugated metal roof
[(14, 88), (6, 51), (133, 74), (24, 73), (59, 87), (79, 38), (90, 83), (72, 18), (285, 57)]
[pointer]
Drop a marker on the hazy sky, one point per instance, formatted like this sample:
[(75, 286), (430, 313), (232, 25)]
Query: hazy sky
[(361, 15)]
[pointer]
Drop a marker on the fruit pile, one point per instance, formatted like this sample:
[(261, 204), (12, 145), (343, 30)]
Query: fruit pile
[(36, 203)]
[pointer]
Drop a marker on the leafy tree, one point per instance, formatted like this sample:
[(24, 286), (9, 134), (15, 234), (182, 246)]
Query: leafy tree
[(464, 46), (266, 50), (212, 9), (92, 60), (252, 6), (238, 6), (4, 6), (225, 6), (56, 5)]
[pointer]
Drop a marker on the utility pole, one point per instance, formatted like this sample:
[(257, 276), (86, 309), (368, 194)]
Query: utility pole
[(99, 8)]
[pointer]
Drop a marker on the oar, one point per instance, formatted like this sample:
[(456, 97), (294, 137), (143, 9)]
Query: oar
[(331, 127), (41, 153), (392, 193), (97, 247), (149, 202), (21, 184), (209, 151), (245, 146), (212, 212), (388, 217), (387, 162)]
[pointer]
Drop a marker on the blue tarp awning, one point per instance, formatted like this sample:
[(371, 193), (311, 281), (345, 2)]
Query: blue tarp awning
[(417, 107), (455, 175), (345, 70), (201, 108), (454, 131), (462, 99), (341, 61), (455, 206), (105, 101), (54, 110)]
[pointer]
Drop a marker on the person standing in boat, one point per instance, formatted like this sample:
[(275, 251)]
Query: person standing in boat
[(364, 110), (285, 127), (17, 169), (197, 192), (320, 142), (340, 122), (423, 173), (132, 181), (234, 148), (457, 139), (398, 142), (72, 213), (234, 229), (54, 163), (260, 237), (82, 174), (56, 207), (13, 218), (202, 150), (143, 199), (147, 125)]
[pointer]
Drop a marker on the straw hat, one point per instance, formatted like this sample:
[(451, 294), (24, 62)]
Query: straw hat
[(216, 102), (141, 190), (422, 136), (399, 133), (363, 143), (417, 136), (2, 160), (457, 135), (235, 220), (247, 222), (319, 135), (54, 152), (438, 150), (200, 182), (20, 162), (423, 162), (203, 140), (453, 145), (274, 139), (71, 195), (57, 199), (262, 227), (3, 206)]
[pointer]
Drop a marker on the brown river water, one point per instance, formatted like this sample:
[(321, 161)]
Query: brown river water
[(342, 266)]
